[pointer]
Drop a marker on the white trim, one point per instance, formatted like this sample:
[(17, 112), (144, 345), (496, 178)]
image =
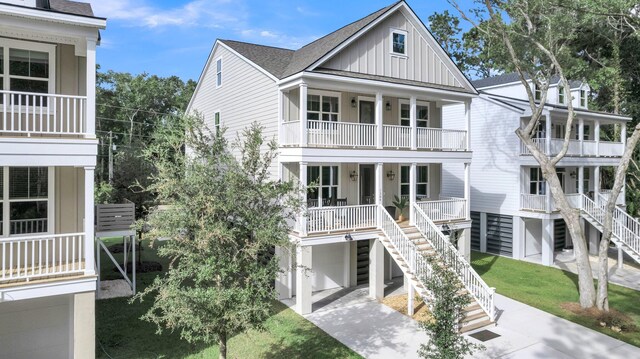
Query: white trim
[(366, 99), (23, 291), (8, 44), (323, 93), (215, 128), (218, 85), (392, 31)]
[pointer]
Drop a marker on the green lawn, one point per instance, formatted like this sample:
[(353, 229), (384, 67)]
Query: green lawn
[(546, 288), (121, 334)]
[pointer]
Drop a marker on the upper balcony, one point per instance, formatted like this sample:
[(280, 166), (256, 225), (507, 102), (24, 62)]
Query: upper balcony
[(590, 138), (318, 118)]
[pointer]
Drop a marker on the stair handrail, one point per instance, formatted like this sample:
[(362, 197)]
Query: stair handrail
[(479, 289), (625, 227), (418, 265)]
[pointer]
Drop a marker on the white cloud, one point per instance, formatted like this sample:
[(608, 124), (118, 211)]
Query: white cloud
[(202, 13)]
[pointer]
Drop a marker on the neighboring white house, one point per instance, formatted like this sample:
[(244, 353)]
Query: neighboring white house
[(358, 113), (512, 210), (48, 153)]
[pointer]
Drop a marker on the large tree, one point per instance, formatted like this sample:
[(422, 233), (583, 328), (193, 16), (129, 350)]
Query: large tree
[(534, 38), (222, 217)]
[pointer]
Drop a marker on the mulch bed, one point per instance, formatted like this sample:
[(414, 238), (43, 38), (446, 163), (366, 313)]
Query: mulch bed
[(399, 303), (614, 319)]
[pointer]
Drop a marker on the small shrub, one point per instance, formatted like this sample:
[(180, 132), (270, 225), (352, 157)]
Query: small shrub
[(614, 319)]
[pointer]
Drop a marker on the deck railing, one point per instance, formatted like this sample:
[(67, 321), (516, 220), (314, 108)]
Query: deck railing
[(397, 136), (442, 139), (451, 209), (45, 114), (41, 256), (341, 134), (587, 148), (343, 218), (28, 226), (535, 202), (483, 294), (291, 133)]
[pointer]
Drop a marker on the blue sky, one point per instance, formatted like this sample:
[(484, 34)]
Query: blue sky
[(174, 37)]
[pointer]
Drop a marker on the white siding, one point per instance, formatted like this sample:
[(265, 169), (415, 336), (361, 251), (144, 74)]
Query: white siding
[(246, 95), (371, 54), (495, 170), (38, 328)]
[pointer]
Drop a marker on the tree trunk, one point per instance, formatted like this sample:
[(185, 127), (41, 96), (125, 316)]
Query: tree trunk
[(602, 302), (222, 343)]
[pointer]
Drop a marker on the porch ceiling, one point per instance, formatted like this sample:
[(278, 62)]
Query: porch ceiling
[(341, 155)]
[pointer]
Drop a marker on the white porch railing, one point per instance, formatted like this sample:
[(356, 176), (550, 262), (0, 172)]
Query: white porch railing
[(442, 139), (605, 194), (611, 149), (588, 148), (535, 202), (397, 136), (291, 133), (48, 114), (41, 256), (452, 209), (472, 281), (26, 226), (341, 134), (343, 218)]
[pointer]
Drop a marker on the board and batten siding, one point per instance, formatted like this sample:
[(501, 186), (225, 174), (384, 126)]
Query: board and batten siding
[(247, 95), (495, 170), (371, 54)]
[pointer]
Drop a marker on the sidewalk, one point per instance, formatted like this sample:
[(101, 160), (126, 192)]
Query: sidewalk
[(628, 276), (374, 330)]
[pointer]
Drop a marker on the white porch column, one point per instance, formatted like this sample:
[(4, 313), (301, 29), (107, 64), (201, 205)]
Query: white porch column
[(547, 241), (620, 257), (303, 215), (596, 184), (346, 272), (596, 136), (467, 113), (303, 115), (83, 322), (467, 189), (282, 281), (89, 240), (376, 270), (281, 118), (91, 91), (483, 232), (413, 171), (581, 180), (581, 135), (594, 240), (547, 124), (304, 256), (410, 295), (379, 115), (413, 121), (379, 188), (623, 134)]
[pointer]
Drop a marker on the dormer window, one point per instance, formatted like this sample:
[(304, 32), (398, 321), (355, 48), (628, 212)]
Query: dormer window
[(398, 42), (583, 98), (561, 96), (536, 92)]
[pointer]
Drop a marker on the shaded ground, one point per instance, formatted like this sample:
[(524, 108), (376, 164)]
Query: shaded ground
[(121, 334)]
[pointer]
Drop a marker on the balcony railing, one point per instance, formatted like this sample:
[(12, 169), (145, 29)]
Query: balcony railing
[(33, 257), (535, 202), (45, 114), (588, 148), (444, 210), (28, 226), (331, 219), (360, 135)]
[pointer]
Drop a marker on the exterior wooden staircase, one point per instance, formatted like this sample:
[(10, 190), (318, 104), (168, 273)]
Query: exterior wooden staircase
[(409, 246)]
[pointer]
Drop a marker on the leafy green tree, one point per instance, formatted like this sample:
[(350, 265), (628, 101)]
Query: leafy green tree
[(222, 215), (447, 313)]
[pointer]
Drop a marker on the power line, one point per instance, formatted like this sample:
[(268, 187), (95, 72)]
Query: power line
[(138, 110)]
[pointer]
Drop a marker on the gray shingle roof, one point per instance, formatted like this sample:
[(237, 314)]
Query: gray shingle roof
[(514, 77), (71, 7), (283, 63)]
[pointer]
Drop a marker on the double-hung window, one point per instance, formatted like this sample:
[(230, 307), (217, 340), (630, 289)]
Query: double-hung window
[(585, 180), (26, 199), (422, 182), (27, 67), (322, 108), (583, 98), (422, 115), (218, 72), (537, 93), (323, 183), (561, 96), (216, 122), (537, 183)]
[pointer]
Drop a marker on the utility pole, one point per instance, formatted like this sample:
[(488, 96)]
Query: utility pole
[(110, 157)]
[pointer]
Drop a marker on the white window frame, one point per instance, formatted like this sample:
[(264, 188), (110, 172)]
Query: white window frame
[(426, 104), (320, 184), (406, 42), (537, 93), (219, 72), (562, 97), (583, 98), (541, 183), (216, 126), (7, 44), (320, 112), (6, 203), (400, 183)]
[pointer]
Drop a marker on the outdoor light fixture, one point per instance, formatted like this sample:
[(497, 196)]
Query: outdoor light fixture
[(572, 174), (388, 106), (446, 230), (353, 175), (391, 175), (354, 104), (347, 237)]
